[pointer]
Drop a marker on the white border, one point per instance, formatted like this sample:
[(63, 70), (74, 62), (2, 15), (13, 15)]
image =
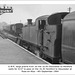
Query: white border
[(3, 67), (37, 2)]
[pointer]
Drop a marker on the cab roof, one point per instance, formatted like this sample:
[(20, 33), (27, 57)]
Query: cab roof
[(56, 18), (44, 17), (70, 16)]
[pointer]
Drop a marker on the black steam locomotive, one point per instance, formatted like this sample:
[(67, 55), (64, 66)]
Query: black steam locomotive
[(48, 36)]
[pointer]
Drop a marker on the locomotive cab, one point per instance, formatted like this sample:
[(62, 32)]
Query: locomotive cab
[(52, 38), (42, 24)]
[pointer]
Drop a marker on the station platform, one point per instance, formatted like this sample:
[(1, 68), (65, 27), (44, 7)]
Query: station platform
[(12, 53)]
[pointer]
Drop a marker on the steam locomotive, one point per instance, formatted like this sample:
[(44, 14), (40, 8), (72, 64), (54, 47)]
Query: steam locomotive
[(47, 35)]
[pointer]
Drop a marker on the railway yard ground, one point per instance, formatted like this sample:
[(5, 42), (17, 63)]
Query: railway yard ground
[(11, 53)]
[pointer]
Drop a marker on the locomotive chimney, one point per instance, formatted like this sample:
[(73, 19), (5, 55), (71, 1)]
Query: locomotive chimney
[(29, 21)]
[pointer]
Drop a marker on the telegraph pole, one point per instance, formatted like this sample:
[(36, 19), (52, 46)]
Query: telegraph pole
[(6, 9), (69, 9)]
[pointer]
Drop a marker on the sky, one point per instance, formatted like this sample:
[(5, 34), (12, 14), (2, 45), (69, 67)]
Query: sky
[(22, 12)]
